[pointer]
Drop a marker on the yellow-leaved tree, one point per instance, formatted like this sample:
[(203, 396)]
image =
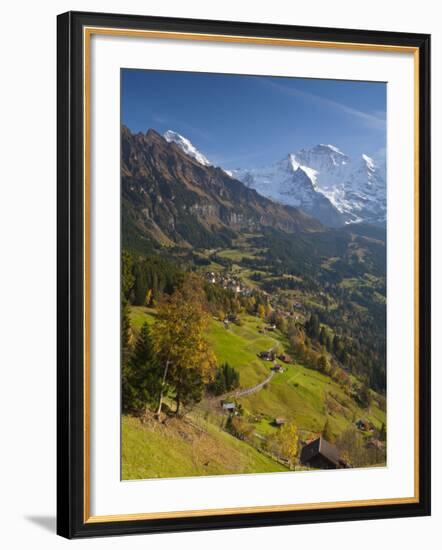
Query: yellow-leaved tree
[(284, 443), (261, 311), (179, 342)]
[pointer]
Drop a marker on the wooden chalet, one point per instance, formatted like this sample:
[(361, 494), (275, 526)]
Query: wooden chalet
[(364, 425), (321, 454), (267, 355)]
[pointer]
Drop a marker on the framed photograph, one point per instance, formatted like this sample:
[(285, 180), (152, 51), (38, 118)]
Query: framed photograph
[(243, 274)]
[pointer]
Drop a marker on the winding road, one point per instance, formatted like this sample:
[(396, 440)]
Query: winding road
[(254, 389)]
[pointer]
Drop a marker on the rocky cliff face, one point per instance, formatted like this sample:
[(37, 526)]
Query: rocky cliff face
[(171, 198)]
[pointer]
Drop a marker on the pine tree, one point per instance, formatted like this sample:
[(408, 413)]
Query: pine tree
[(140, 285), (312, 326), (125, 333), (226, 379), (329, 343), (127, 277), (140, 375), (143, 352)]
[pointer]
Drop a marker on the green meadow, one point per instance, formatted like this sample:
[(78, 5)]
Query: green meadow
[(199, 444)]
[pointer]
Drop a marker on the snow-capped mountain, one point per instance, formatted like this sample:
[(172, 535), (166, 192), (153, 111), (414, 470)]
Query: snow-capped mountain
[(365, 192), (187, 146), (289, 182), (322, 181), (354, 189)]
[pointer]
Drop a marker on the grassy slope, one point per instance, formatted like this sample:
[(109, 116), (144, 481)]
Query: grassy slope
[(138, 315), (240, 345), (298, 394), (180, 449)]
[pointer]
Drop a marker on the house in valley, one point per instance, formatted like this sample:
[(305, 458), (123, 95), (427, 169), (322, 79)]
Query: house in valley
[(321, 454), (267, 355), (364, 425)]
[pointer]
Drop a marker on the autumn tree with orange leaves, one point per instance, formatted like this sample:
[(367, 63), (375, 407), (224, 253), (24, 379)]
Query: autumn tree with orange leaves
[(178, 334)]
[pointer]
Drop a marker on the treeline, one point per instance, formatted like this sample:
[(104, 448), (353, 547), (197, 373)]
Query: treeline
[(144, 279)]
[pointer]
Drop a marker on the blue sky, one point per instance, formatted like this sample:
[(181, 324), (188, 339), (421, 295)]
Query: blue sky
[(246, 121)]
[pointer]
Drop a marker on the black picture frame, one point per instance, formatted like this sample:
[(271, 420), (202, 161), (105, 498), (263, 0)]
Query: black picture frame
[(71, 521)]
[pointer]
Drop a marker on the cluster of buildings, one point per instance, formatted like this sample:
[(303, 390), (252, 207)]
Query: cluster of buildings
[(228, 282), (271, 355)]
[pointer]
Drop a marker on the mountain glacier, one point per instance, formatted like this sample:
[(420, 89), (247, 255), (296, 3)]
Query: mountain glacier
[(289, 182), (322, 181), (354, 188)]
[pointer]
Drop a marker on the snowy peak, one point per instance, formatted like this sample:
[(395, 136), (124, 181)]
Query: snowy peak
[(324, 182), (332, 148), (322, 157), (321, 180), (186, 146), (292, 183)]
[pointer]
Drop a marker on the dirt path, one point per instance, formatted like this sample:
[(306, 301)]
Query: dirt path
[(254, 389)]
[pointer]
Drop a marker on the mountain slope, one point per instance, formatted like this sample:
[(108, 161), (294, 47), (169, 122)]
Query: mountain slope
[(168, 197), (325, 183), (356, 187), (289, 182), (322, 181)]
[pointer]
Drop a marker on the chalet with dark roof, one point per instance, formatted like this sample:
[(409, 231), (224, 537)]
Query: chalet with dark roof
[(321, 454), (267, 355)]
